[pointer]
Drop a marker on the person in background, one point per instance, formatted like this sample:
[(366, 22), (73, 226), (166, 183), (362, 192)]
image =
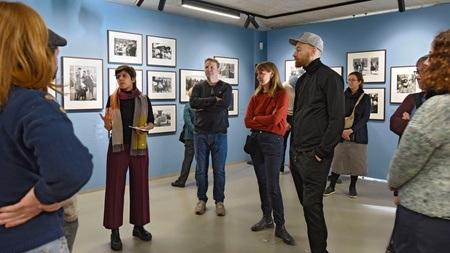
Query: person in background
[(266, 117), (127, 149), (188, 116), (420, 167), (317, 129), (210, 100), (399, 120), (36, 177), (290, 89), (350, 155)]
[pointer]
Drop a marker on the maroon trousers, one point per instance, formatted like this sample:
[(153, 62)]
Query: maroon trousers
[(117, 165)]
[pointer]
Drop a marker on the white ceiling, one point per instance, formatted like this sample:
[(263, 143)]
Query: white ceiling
[(274, 7)]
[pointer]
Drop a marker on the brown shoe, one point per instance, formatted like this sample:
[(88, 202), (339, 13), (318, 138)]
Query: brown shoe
[(220, 209), (200, 208)]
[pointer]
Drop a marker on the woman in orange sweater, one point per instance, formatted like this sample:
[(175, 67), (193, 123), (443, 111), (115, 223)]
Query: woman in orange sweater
[(266, 117)]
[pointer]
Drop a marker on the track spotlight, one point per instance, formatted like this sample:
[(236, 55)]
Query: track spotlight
[(252, 19), (161, 5), (247, 22), (138, 3), (401, 5)]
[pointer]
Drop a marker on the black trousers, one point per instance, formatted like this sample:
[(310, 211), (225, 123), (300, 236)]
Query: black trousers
[(187, 161), (310, 178)]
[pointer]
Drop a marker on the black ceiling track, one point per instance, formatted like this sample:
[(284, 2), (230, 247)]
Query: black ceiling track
[(289, 13)]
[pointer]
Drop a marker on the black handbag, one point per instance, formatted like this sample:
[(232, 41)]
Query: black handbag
[(250, 144), (181, 138)]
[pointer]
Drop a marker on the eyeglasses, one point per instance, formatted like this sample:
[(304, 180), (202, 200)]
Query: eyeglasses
[(351, 80)]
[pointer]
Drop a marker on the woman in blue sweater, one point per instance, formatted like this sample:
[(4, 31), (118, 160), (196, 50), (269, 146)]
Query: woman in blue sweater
[(43, 162)]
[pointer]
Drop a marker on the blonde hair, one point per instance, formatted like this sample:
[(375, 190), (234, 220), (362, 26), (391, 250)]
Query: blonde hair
[(275, 83), (25, 59)]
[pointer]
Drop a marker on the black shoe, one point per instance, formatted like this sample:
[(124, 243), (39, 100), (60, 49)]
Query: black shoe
[(265, 222), (178, 184), (116, 243), (143, 234), (352, 192), (281, 232)]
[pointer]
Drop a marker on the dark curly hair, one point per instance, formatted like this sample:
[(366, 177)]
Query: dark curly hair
[(437, 74)]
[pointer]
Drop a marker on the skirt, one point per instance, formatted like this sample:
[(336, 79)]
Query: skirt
[(350, 159)]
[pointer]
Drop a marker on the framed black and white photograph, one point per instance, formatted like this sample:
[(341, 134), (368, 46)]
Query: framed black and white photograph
[(338, 69), (189, 78), (124, 47), (291, 70), (161, 51), (165, 119), (371, 64), (161, 84), (377, 102), (233, 109), (83, 83), (112, 81), (403, 83), (228, 69)]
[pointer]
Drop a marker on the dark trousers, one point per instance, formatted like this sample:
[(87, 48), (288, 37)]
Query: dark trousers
[(117, 165), (310, 178), (187, 161), (267, 164), (290, 120), (418, 233)]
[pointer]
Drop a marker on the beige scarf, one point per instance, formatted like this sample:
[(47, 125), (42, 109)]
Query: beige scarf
[(138, 141)]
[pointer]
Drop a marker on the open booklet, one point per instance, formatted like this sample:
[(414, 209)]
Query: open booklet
[(138, 128)]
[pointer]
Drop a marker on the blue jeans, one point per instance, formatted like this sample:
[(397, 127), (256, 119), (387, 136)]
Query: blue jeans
[(267, 169), (217, 145), (57, 246)]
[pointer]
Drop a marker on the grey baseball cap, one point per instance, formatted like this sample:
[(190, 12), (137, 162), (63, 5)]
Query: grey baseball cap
[(54, 40), (308, 38)]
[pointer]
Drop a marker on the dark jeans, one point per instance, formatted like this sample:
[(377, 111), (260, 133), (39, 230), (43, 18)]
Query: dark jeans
[(310, 178), (187, 162), (290, 120), (266, 163), (217, 145), (415, 232)]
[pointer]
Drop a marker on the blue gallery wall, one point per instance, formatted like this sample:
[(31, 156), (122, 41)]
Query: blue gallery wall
[(405, 37), (85, 23)]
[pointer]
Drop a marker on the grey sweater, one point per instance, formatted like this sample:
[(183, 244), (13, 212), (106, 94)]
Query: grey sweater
[(420, 168)]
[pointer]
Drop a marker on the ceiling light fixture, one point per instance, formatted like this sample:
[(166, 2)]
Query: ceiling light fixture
[(401, 5), (251, 19), (210, 8), (138, 3), (161, 5)]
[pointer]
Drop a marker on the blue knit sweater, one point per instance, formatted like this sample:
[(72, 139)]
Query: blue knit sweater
[(39, 149)]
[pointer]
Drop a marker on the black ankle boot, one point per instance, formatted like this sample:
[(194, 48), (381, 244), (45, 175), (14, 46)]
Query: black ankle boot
[(144, 235), (116, 243), (265, 222), (281, 232)]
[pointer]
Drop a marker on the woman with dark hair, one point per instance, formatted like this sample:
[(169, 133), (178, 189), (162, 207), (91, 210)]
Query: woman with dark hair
[(129, 116), (420, 167), (350, 155), (266, 117)]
